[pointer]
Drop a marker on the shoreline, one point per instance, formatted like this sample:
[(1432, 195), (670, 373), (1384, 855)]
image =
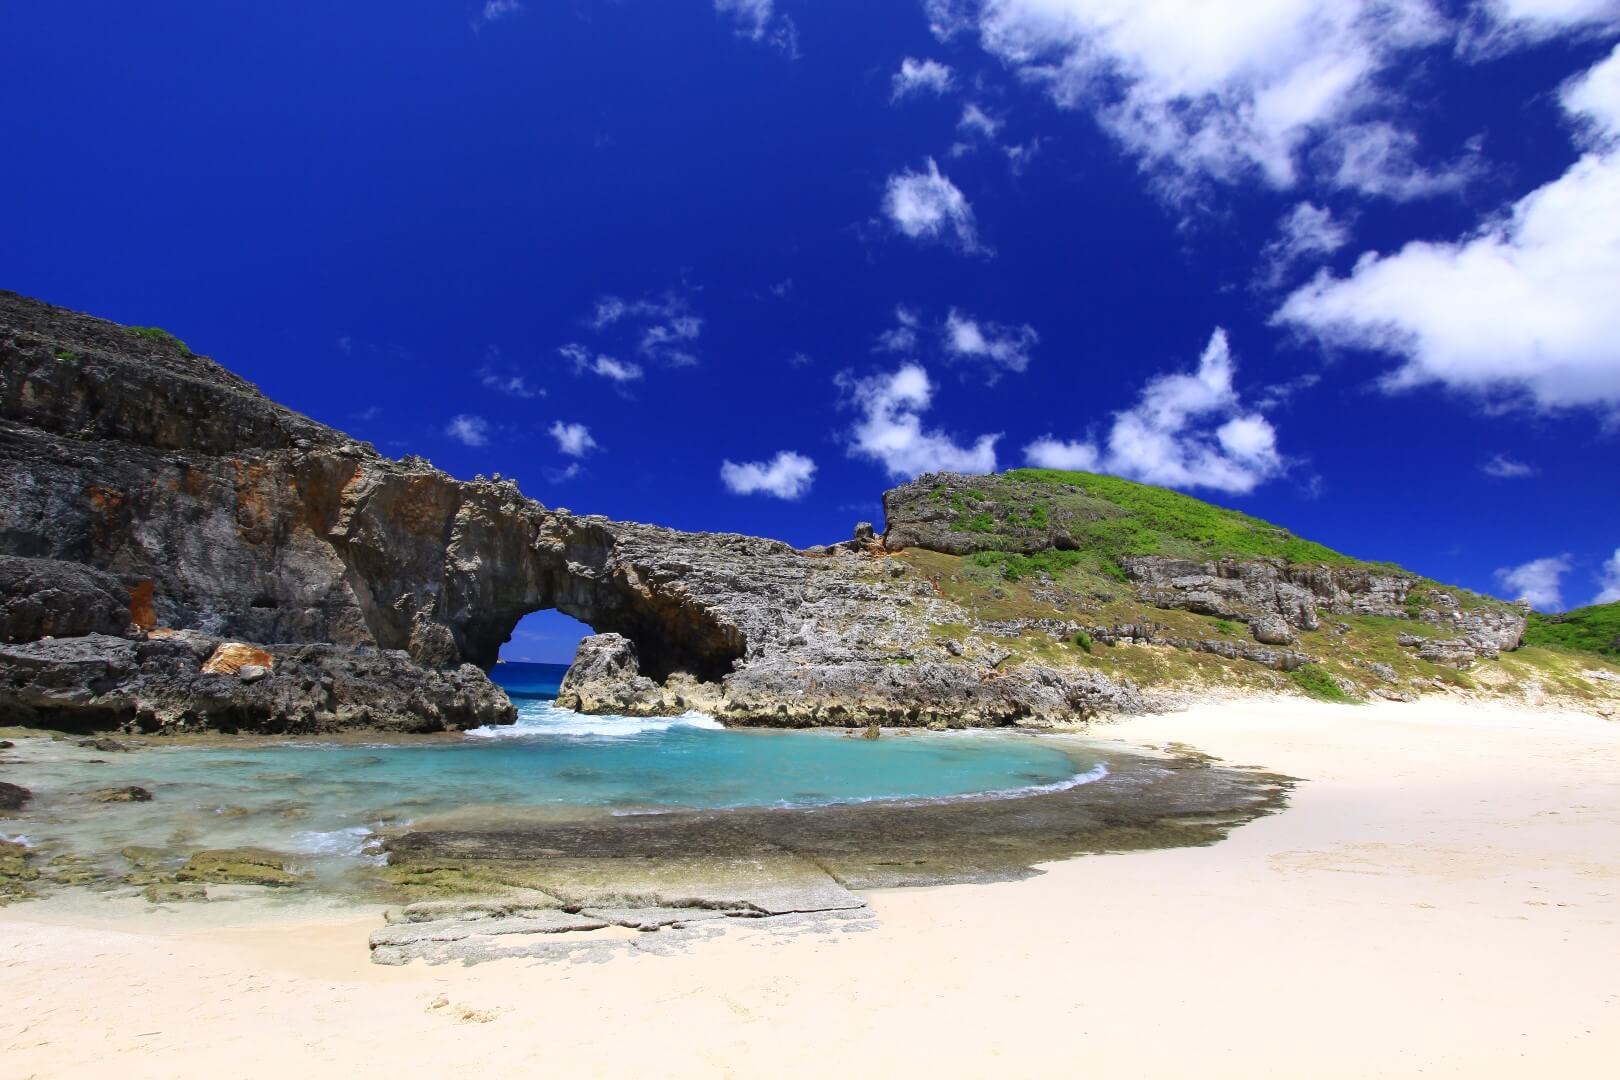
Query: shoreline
[(1344, 936)]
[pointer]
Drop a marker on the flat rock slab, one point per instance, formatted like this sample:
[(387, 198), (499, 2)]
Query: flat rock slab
[(656, 918)]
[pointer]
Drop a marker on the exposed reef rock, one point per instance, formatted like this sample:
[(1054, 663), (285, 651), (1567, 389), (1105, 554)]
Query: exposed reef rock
[(217, 511)]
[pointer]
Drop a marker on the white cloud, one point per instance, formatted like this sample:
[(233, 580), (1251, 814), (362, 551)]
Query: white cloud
[(902, 336), (920, 77), (1000, 348), (1537, 581), (787, 476), (1502, 467), (1186, 431), (1499, 25), (975, 121), (1378, 158), (1307, 232), (927, 206), (1201, 90), (573, 439), (496, 9), (890, 429), (1524, 309), (947, 18), (1609, 580), (511, 385), (757, 20), (600, 364), (664, 326), (471, 430)]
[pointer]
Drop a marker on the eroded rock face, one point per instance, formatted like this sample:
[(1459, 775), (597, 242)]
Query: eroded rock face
[(235, 518), (47, 598)]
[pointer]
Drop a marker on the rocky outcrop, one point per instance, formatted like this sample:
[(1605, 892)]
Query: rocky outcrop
[(47, 598), (158, 685), (223, 513)]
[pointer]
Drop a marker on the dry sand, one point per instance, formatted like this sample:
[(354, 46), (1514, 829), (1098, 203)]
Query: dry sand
[(1441, 898)]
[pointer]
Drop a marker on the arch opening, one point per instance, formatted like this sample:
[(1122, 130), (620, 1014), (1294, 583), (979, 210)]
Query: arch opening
[(546, 636)]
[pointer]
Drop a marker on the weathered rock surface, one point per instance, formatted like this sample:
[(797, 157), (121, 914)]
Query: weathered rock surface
[(119, 794), (13, 796), (158, 685), (228, 515), (48, 598)]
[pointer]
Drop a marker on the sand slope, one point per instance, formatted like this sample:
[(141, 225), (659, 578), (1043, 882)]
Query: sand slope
[(1441, 899)]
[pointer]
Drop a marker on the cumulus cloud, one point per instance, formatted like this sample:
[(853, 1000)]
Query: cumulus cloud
[(573, 439), (600, 364), (1502, 467), (1187, 430), (890, 429), (998, 347), (470, 430), (1524, 308), (920, 77), (1538, 581), (1213, 91), (1609, 580), (787, 476), (927, 206)]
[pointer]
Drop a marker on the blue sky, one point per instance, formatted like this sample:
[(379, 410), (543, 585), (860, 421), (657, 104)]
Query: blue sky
[(1352, 266)]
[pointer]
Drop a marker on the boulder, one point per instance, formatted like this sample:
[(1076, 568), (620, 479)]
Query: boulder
[(14, 797), (1271, 630), (229, 657)]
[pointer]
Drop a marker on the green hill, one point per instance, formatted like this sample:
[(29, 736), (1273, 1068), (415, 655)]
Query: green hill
[(1594, 629)]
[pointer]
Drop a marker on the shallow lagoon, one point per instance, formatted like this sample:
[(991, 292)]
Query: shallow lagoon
[(329, 798)]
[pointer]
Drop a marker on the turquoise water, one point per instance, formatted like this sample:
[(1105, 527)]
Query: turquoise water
[(330, 798)]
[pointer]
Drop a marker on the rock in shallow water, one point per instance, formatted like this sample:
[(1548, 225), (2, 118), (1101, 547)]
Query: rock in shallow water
[(119, 794), (14, 797), (239, 866)]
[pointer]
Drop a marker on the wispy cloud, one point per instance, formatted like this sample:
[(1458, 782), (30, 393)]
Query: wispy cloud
[(1187, 430), (663, 328), (788, 475), (757, 20), (920, 77), (927, 206), (619, 371), (469, 430), (495, 10), (997, 347), (1609, 580), (902, 336), (1502, 467)]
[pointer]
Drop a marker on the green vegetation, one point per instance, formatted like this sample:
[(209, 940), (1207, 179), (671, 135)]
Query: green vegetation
[(1594, 629), (1082, 641), (1317, 683), (1018, 567), (157, 333), (1119, 518), (67, 354), (1226, 626)]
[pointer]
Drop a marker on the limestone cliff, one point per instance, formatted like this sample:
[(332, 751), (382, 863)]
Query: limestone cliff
[(155, 507), (215, 510)]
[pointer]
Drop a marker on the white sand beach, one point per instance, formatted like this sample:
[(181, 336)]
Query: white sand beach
[(1441, 898)]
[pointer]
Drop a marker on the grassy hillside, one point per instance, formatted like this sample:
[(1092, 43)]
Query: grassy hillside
[(1034, 557), (1594, 629)]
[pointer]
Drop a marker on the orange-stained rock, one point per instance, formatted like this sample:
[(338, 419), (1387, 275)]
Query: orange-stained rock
[(141, 612), (232, 655)]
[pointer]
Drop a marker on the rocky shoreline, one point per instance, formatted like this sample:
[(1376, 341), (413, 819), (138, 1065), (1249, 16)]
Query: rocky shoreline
[(155, 509)]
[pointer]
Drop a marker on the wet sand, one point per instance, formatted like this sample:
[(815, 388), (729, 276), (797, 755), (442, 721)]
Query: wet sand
[(1440, 898)]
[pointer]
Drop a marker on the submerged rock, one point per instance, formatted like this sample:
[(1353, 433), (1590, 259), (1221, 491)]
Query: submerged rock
[(14, 797), (119, 794), (239, 866)]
